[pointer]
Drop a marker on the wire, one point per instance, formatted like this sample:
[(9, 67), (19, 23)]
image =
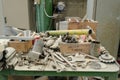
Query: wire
[(47, 13)]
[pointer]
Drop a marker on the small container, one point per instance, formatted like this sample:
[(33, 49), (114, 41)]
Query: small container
[(27, 33), (95, 48)]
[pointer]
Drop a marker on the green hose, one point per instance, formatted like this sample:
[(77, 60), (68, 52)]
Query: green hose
[(38, 17), (42, 21)]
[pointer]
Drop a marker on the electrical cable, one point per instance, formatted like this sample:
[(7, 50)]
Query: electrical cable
[(47, 13)]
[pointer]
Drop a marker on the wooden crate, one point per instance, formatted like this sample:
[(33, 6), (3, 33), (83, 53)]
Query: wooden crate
[(71, 48), (20, 78), (23, 46), (73, 25), (91, 24), (78, 24)]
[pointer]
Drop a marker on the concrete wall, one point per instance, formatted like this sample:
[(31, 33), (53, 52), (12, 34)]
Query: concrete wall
[(1, 18), (91, 9), (108, 30), (75, 8), (16, 13)]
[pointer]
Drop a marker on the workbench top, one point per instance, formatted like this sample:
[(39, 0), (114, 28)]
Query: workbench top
[(106, 68)]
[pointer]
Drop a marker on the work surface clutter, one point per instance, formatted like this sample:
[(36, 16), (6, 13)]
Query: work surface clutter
[(55, 51)]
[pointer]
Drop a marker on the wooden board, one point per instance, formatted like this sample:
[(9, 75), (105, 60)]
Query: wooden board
[(71, 48), (23, 46)]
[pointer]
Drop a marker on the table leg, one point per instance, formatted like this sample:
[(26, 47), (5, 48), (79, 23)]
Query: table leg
[(106, 78), (113, 77), (3, 77)]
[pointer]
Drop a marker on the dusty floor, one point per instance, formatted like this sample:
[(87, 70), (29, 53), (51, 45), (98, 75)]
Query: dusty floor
[(31, 78)]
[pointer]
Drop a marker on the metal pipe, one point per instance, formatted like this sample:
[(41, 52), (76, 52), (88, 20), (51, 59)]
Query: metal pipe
[(42, 18), (71, 32), (38, 17)]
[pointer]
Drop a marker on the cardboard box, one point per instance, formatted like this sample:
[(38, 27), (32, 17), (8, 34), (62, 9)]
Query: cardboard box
[(71, 48), (73, 23), (23, 46), (92, 24), (78, 24)]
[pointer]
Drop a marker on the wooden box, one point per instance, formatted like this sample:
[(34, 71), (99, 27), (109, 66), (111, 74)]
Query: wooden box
[(73, 25), (71, 48), (91, 24), (23, 46)]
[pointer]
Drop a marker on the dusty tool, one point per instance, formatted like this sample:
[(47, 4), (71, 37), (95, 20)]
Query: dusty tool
[(97, 65), (46, 58), (20, 63), (48, 51), (106, 58), (46, 38), (45, 62), (81, 57), (76, 58), (49, 42), (11, 59), (62, 67), (58, 57), (33, 56), (84, 58), (55, 65), (2, 47), (56, 43), (9, 51), (84, 65), (69, 38), (44, 66), (69, 63)]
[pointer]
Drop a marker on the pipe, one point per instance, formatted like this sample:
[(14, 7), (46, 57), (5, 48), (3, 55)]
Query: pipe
[(38, 17), (71, 32), (42, 15)]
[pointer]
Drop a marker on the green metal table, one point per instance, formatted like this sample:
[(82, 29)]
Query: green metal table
[(109, 73)]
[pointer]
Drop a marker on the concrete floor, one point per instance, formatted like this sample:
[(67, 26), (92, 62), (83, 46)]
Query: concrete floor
[(31, 78), (42, 78)]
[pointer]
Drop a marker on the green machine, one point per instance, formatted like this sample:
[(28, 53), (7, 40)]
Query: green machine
[(43, 15)]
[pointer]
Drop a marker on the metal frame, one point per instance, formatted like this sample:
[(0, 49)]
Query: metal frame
[(106, 75)]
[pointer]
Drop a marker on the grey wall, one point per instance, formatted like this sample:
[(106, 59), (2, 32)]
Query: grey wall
[(17, 13), (1, 18), (74, 8), (91, 9), (108, 30)]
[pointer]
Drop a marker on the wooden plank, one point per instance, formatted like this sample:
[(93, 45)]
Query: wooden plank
[(23, 46), (71, 48)]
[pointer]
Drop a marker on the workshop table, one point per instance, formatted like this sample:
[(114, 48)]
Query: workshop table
[(109, 73)]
